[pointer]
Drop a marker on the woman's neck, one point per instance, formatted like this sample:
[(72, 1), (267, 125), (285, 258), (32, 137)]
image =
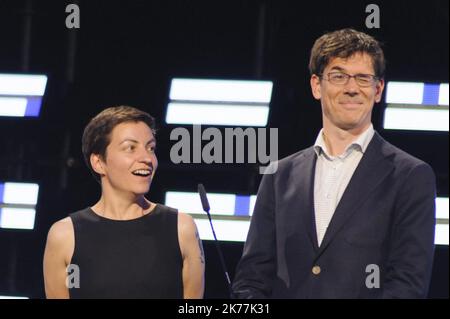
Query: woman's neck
[(119, 208)]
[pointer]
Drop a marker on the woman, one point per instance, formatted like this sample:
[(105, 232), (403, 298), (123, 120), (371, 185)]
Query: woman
[(124, 246)]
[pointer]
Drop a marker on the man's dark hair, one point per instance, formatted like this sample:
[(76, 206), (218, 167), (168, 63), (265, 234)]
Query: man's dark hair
[(343, 44), (97, 134)]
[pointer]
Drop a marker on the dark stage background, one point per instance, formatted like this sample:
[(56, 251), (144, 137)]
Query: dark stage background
[(126, 52)]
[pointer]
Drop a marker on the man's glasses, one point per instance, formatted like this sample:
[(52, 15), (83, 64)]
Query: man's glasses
[(341, 78)]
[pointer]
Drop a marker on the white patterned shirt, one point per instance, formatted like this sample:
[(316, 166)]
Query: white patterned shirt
[(332, 175)]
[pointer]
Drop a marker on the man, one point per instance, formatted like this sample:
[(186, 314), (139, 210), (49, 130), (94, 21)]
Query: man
[(124, 246), (352, 216)]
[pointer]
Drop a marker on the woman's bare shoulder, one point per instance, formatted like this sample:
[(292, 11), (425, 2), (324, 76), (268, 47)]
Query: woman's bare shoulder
[(61, 230), (186, 222)]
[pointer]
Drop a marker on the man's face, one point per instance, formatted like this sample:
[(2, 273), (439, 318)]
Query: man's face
[(348, 106), (131, 161)]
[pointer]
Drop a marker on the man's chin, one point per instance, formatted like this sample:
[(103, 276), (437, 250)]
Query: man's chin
[(351, 125), (348, 126)]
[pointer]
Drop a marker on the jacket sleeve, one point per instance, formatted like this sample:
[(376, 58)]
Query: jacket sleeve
[(411, 252), (257, 267)]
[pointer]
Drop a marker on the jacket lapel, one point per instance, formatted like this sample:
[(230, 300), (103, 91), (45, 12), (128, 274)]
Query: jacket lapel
[(370, 172), (303, 205)]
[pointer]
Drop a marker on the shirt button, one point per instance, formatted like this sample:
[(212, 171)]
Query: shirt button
[(316, 270)]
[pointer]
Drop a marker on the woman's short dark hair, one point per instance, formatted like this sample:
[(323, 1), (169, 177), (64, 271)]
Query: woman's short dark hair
[(97, 134), (343, 44)]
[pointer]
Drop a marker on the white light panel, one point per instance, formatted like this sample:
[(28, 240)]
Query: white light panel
[(219, 102), (21, 94), (18, 205), (417, 106)]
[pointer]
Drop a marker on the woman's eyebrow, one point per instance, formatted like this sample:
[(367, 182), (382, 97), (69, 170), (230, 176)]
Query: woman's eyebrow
[(153, 140), (128, 140)]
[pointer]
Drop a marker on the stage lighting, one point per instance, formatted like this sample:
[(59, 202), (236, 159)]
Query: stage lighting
[(230, 213), (442, 220), (417, 106), (18, 205), (21, 94), (219, 102)]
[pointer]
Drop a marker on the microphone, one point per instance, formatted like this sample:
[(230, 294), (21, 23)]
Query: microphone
[(206, 208)]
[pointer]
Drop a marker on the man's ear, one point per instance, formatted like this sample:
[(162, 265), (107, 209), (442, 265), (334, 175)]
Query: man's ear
[(97, 164), (315, 87), (379, 90)]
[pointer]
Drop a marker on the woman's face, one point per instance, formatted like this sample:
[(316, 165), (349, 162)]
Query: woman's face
[(130, 161)]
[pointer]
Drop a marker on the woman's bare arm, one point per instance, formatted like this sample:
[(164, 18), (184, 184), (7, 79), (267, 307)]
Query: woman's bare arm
[(58, 252), (193, 257)]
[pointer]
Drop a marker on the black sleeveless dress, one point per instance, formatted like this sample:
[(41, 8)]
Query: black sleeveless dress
[(138, 258)]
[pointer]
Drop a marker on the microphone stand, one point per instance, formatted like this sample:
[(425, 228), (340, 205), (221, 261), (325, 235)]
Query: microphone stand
[(206, 208)]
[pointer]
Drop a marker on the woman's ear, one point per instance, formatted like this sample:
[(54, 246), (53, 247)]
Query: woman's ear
[(97, 164)]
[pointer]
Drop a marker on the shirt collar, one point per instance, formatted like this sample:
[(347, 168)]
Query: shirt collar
[(361, 143)]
